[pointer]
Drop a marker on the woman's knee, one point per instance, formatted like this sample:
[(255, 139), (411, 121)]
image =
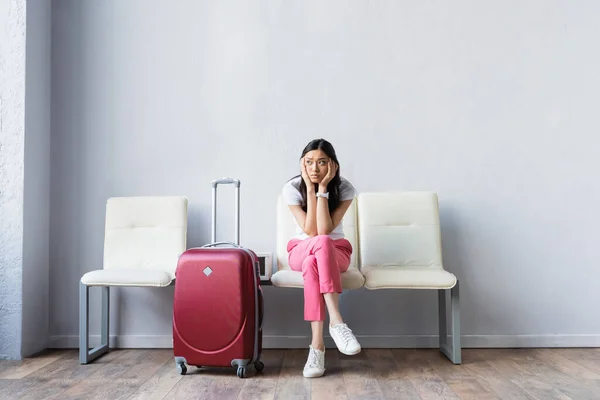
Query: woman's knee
[(309, 266)]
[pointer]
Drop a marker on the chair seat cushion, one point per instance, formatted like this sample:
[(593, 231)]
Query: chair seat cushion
[(127, 277), (351, 279), (397, 277)]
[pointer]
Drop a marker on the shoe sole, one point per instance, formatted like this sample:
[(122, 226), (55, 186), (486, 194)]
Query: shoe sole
[(314, 376), (350, 354)]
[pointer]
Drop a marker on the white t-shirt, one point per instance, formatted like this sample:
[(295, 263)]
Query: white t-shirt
[(292, 196)]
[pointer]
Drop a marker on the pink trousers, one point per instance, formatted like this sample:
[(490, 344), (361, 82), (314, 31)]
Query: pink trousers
[(321, 260)]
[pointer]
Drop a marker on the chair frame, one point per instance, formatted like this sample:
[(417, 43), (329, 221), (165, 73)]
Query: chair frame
[(450, 346), (85, 354)]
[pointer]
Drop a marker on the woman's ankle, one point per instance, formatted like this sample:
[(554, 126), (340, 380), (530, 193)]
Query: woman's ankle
[(318, 346)]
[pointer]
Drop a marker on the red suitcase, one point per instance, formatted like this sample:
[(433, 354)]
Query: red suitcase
[(218, 303)]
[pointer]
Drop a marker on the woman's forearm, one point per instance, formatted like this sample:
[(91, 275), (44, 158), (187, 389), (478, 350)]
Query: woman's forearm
[(324, 222), (310, 223)]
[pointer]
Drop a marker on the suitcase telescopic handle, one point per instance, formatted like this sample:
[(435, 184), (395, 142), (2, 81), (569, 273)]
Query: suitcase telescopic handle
[(221, 244), (226, 181)]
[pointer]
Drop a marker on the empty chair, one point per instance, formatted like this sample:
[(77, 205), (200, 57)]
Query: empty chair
[(400, 248), (143, 239)]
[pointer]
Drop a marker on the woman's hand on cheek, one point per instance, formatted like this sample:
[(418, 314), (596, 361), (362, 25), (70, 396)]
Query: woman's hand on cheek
[(305, 176), (331, 171)]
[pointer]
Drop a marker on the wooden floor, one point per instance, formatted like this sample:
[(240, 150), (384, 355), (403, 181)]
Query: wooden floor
[(542, 374)]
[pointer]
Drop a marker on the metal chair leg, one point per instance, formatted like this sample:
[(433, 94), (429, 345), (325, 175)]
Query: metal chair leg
[(85, 354), (83, 323), (452, 350)]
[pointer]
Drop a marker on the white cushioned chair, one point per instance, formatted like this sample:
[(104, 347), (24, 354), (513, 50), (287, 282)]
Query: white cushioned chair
[(286, 230), (400, 248), (143, 239)]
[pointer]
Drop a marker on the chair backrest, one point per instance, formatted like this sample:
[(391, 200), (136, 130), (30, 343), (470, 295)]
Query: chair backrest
[(401, 229), (286, 230), (145, 232)]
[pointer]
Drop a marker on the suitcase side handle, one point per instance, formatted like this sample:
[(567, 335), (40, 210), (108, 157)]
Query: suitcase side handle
[(225, 181)]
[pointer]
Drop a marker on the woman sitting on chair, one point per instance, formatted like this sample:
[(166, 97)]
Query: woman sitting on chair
[(318, 198)]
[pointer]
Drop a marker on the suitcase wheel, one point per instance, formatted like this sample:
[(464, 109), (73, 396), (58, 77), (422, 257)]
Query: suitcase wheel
[(241, 372), (259, 366), (181, 368)]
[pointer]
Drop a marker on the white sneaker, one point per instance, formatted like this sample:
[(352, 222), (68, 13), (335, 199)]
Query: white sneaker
[(344, 339), (315, 365)]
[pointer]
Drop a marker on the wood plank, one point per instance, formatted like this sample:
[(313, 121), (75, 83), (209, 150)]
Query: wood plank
[(581, 353), (540, 390), (159, 384), (5, 382), (148, 365), (585, 357), (105, 376), (502, 354), (20, 370), (454, 375), (489, 378), (8, 364), (292, 385), (552, 377), (565, 365), (331, 385), (68, 354), (514, 367), (390, 375), (509, 369), (73, 354), (592, 384), (137, 356), (448, 371), (119, 364), (109, 357), (50, 389), (226, 385), (110, 389), (65, 369), (434, 389), (416, 366), (413, 363), (193, 385), (359, 377), (19, 387), (470, 389), (264, 385)]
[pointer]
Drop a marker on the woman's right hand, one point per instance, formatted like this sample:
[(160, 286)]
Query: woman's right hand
[(305, 176)]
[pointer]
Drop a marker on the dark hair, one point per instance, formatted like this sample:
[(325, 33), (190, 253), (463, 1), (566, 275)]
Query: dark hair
[(333, 187)]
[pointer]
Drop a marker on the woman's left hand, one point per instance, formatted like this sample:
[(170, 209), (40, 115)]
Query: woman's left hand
[(331, 171)]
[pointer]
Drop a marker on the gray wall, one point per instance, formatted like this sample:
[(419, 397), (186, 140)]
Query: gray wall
[(12, 129), (492, 106), (36, 213)]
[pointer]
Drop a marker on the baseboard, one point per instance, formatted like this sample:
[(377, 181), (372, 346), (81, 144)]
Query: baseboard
[(367, 341), (115, 342)]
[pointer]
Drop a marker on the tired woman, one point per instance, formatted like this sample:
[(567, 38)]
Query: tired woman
[(318, 198)]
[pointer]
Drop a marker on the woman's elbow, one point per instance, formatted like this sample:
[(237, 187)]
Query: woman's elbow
[(324, 231), (311, 232)]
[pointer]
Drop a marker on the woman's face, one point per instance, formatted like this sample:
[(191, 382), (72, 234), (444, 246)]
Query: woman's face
[(316, 165)]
